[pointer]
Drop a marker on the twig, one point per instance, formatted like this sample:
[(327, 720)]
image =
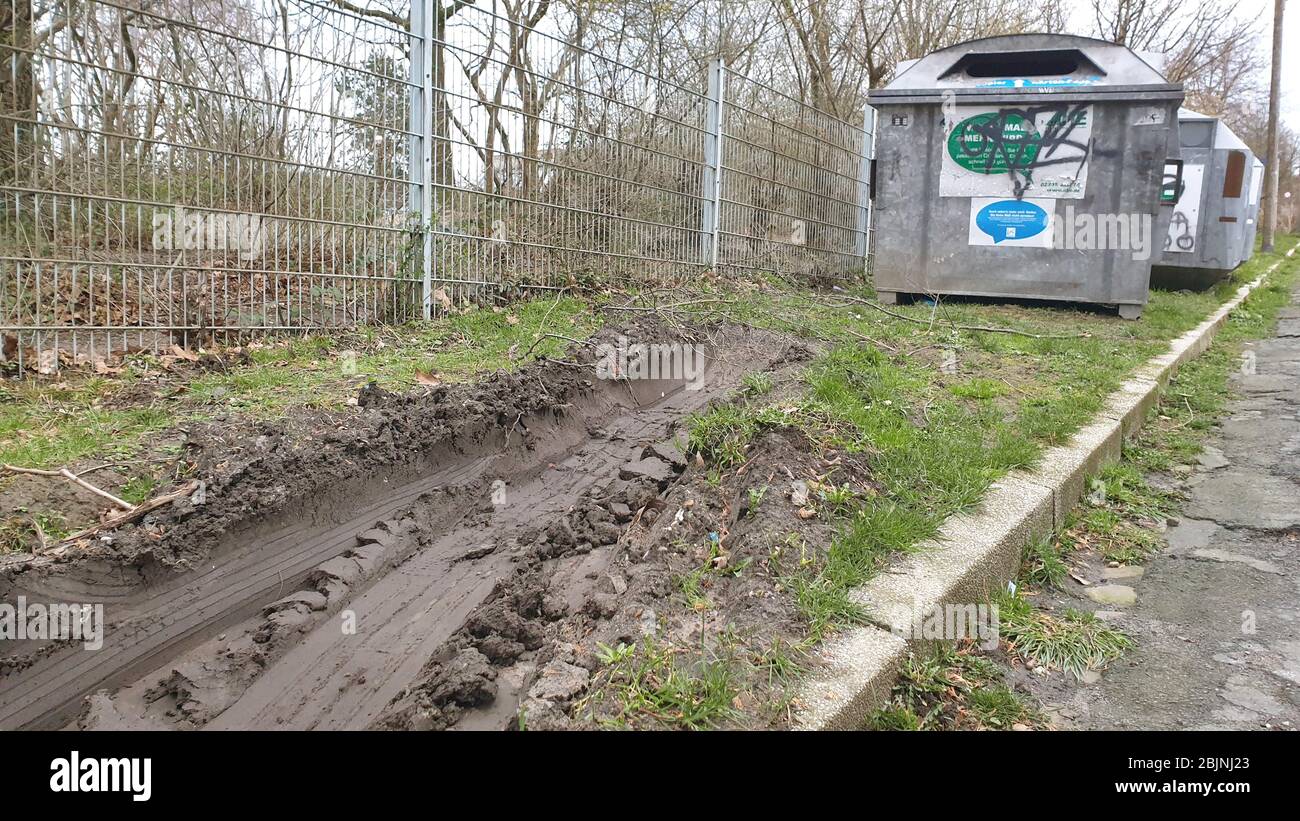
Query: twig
[(138, 511), (879, 344), (74, 478), (126, 464), (654, 308), (990, 329), (547, 316), (565, 362), (554, 336)]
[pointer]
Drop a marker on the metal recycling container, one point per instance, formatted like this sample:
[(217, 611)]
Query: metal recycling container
[(1211, 231), (1027, 165)]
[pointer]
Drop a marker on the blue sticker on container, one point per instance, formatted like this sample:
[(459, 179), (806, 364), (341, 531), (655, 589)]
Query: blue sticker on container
[(1011, 219), (1037, 82)]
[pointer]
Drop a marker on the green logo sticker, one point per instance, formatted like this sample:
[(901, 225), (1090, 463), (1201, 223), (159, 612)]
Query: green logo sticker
[(994, 143), (997, 142)]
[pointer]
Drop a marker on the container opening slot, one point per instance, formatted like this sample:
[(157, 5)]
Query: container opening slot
[(1045, 63)]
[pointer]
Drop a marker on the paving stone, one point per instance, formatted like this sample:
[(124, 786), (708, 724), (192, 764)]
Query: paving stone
[(1120, 595), (1118, 573), (1215, 555), (1241, 499), (1211, 458)]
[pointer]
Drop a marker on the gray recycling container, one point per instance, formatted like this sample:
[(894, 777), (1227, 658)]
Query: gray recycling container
[(1026, 165), (1211, 230)]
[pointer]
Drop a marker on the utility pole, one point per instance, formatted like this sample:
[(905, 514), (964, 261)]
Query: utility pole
[(1274, 91)]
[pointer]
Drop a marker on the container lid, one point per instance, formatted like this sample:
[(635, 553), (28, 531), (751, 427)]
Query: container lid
[(1224, 137), (1021, 67)]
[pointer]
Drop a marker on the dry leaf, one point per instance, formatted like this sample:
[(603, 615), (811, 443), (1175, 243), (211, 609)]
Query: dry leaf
[(511, 319), (440, 297), (427, 378), (188, 356), (47, 362), (807, 513)]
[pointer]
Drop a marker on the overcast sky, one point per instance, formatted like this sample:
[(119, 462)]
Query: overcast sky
[(1261, 10)]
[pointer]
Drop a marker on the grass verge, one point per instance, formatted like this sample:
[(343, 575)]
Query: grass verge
[(46, 424), (943, 409)]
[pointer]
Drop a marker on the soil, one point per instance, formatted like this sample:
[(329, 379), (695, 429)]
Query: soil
[(428, 560), (533, 649)]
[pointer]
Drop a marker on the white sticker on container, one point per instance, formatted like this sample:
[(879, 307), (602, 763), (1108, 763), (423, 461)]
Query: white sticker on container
[(1187, 212)]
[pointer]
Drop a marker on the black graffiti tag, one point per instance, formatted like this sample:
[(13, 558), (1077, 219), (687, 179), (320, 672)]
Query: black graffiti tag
[(1057, 145)]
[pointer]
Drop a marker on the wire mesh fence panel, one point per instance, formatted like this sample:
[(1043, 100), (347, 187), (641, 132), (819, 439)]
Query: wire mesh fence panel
[(793, 185), (179, 171), (559, 160)]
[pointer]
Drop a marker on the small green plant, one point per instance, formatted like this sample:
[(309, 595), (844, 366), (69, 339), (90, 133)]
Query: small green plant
[(1043, 565), (692, 587), (756, 495), (614, 655), (15, 534), (997, 707), (1116, 538), (757, 384), (781, 661), (1073, 642), (651, 684), (952, 688), (978, 388), (839, 498), (895, 718), (53, 525), (722, 435), (138, 488)]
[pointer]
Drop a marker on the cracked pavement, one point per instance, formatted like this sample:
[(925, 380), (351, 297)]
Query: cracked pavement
[(1217, 613)]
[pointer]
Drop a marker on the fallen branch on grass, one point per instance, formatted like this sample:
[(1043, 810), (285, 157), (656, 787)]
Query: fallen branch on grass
[(989, 329), (75, 479), (129, 512)]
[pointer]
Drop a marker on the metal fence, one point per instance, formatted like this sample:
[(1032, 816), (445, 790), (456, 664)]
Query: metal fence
[(173, 171)]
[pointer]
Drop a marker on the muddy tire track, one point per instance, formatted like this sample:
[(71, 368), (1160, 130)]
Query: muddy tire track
[(445, 548), (331, 680)]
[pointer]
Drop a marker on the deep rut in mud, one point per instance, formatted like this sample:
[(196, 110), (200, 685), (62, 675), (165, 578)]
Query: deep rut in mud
[(335, 681), (378, 574)]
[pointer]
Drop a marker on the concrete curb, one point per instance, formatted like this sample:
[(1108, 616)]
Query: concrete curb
[(977, 553)]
